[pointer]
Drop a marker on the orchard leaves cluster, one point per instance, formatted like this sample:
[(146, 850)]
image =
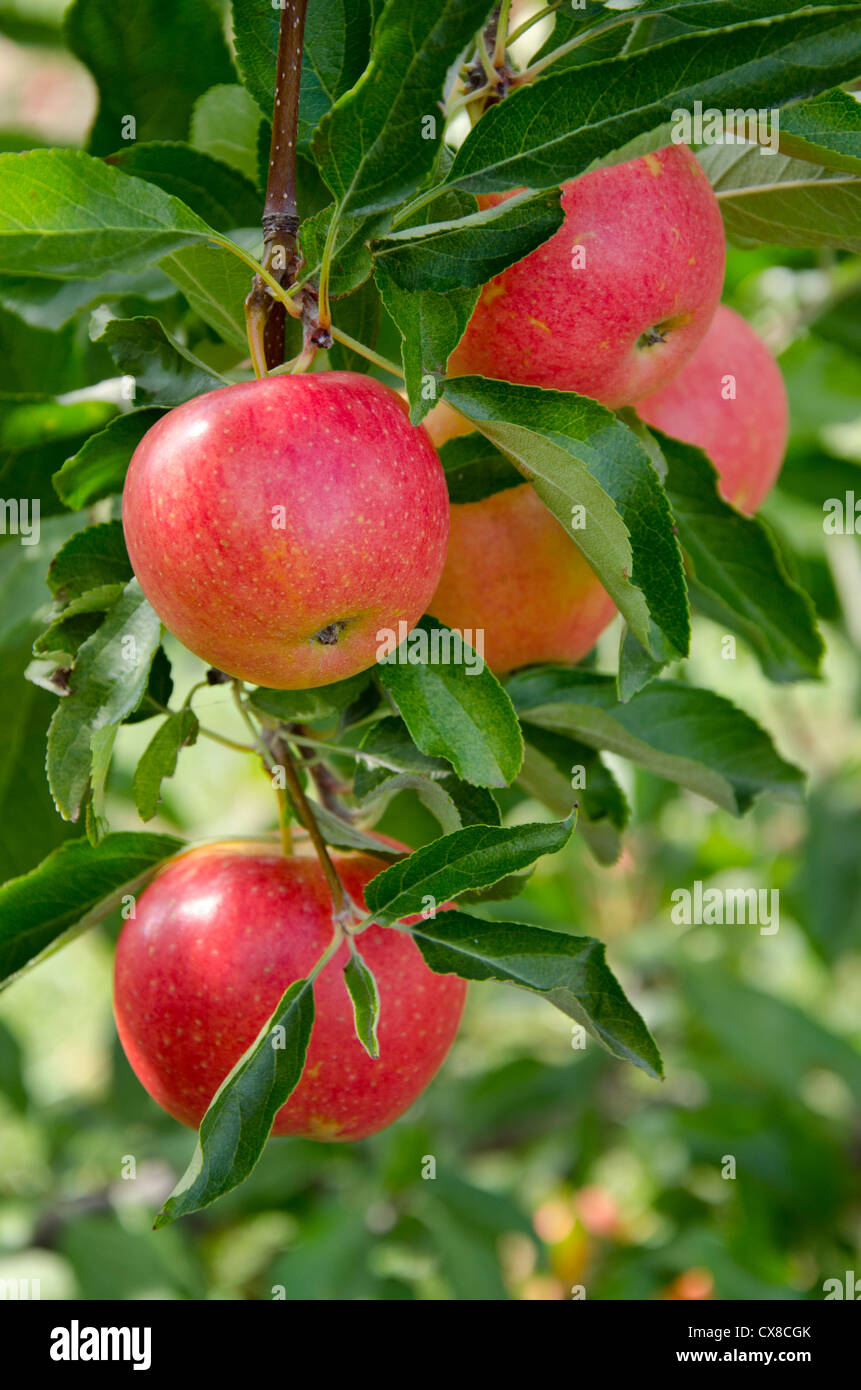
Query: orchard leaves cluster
[(159, 235)]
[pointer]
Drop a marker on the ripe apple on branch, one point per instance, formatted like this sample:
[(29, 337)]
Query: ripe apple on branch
[(551, 314)]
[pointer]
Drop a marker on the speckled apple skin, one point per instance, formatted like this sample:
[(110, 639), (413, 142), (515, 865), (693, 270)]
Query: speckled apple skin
[(217, 938), (513, 572), (364, 531), (745, 438), (654, 249)]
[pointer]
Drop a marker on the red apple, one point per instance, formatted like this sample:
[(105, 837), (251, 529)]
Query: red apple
[(217, 938), (618, 326), (277, 526), (513, 573), (730, 400)]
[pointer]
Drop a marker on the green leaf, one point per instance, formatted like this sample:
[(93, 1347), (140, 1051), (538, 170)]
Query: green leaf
[(159, 689), (215, 283), (237, 1124), (102, 746), (450, 801), (43, 302), (466, 253), (341, 834), (165, 372), (472, 858), (216, 192), (108, 680), (12, 1084), (774, 199), (578, 455), (36, 422), (24, 599), (687, 735), (335, 51), (352, 265), (475, 469), (394, 763), (555, 128), (431, 326), (388, 747), (98, 469), (45, 363), (740, 579), (825, 130), (362, 989), (636, 666), (159, 759), (90, 559), (559, 770), (27, 474), (452, 709), (598, 28), (370, 147), (31, 826), (76, 622), (292, 706), (569, 971), (359, 315), (74, 887), (167, 54), (65, 214), (32, 21), (225, 123)]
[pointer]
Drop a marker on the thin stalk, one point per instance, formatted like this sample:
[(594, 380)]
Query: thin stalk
[(209, 733), (464, 101), (343, 907), (330, 951), (485, 59), (420, 201), (529, 74), (324, 312), (343, 750), (227, 742), (501, 40), (276, 753), (269, 762), (366, 352)]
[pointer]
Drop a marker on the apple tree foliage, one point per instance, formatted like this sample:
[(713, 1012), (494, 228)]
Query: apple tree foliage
[(132, 258)]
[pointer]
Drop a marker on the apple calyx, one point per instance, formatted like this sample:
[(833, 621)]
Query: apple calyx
[(328, 635)]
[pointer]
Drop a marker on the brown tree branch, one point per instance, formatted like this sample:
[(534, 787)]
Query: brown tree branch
[(266, 318)]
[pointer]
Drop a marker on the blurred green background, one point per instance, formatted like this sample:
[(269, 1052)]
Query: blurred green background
[(555, 1167)]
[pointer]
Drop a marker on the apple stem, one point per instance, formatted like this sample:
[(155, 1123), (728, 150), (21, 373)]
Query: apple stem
[(284, 823), (529, 74), (484, 58), (343, 908), (265, 317), (275, 751), (324, 779), (364, 351), (500, 42)]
